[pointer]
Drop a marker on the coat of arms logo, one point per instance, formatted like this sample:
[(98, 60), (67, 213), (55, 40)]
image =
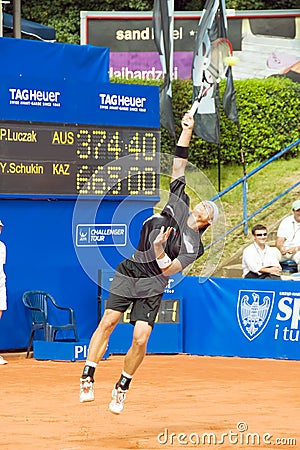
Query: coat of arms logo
[(254, 310)]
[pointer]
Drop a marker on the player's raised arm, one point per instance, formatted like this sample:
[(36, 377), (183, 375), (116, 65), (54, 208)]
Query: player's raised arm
[(181, 150)]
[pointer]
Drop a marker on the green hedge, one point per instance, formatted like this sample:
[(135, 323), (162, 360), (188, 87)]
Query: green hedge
[(268, 117)]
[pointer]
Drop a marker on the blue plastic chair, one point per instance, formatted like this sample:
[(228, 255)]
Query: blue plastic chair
[(39, 303)]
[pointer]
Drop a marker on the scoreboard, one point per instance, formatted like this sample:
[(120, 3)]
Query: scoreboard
[(71, 160)]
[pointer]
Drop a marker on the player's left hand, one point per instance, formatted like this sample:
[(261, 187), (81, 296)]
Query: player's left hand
[(163, 235)]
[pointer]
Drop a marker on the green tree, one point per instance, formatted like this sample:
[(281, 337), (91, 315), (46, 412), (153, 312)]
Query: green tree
[(64, 15)]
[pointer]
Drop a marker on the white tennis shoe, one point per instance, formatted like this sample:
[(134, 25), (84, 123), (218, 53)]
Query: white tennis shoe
[(116, 406), (86, 390), (2, 360)]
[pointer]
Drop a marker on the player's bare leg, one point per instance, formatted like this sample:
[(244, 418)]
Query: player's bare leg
[(97, 348), (132, 361)]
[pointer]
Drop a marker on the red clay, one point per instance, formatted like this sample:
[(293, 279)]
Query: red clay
[(169, 395)]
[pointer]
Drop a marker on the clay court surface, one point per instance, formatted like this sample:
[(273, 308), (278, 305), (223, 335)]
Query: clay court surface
[(197, 396)]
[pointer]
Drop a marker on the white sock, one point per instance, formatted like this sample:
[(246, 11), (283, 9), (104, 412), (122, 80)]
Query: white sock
[(125, 374), (91, 363)]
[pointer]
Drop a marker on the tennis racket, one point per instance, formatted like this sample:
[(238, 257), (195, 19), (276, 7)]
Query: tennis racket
[(214, 67)]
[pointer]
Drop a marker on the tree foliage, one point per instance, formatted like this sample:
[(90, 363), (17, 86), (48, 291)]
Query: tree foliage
[(64, 15)]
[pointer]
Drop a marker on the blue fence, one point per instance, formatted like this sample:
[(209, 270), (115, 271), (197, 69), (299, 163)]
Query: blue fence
[(211, 317), (243, 181)]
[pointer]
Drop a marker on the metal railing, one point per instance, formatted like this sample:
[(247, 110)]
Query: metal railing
[(243, 180)]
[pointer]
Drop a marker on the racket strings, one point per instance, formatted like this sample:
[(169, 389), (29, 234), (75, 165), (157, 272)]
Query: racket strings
[(217, 67)]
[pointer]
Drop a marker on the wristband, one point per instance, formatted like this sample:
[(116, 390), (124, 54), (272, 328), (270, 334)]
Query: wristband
[(164, 262), (181, 152)]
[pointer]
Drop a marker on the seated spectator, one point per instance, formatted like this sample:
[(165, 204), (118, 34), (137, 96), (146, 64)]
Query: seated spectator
[(288, 236), (259, 259), (292, 72)]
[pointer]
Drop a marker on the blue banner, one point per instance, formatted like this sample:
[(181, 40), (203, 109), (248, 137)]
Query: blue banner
[(211, 317), (53, 61), (34, 99), (242, 317), (63, 83)]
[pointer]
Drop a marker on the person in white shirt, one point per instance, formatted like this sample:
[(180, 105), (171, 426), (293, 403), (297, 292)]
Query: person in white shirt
[(288, 237), (3, 302), (259, 259)]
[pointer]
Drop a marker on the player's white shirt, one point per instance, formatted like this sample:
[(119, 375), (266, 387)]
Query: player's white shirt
[(254, 258), (290, 230), (2, 259)]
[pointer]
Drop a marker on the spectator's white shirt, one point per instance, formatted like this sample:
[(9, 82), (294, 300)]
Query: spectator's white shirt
[(290, 230), (254, 258)]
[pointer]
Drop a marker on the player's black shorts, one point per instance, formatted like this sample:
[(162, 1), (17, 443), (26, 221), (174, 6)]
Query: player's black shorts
[(130, 287), (144, 309)]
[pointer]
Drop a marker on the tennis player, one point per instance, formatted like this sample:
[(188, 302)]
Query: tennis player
[(169, 242)]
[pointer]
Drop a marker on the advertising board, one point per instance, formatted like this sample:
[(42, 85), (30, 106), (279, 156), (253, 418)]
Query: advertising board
[(266, 42)]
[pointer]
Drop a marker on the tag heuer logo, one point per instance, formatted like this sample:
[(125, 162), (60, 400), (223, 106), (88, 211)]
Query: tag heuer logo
[(254, 309)]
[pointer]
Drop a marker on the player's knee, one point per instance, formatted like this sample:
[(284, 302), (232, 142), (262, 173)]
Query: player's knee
[(140, 340), (108, 322)]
